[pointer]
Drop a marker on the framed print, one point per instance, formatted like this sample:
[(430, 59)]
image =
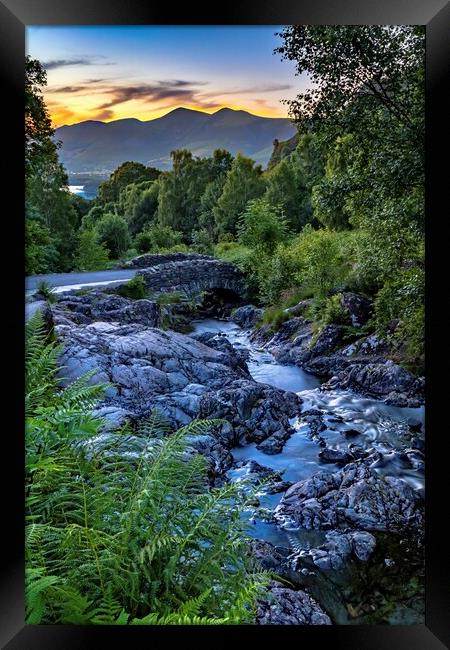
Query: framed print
[(221, 237)]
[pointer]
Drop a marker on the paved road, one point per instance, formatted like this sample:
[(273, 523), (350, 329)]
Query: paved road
[(73, 280)]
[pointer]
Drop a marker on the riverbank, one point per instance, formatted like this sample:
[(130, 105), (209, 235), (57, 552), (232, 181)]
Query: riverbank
[(314, 451)]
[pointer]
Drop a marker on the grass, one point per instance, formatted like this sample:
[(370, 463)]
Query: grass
[(169, 298), (274, 317)]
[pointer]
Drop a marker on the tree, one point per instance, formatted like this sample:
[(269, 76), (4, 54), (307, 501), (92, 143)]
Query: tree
[(358, 69), (91, 255), (40, 252), (47, 197), (181, 190), (128, 172), (112, 231), (81, 207), (243, 183), (284, 190), (329, 196), (138, 203), (262, 226), (38, 126), (156, 238), (91, 219)]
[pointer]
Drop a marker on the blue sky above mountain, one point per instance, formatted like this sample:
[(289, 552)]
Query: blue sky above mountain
[(114, 72)]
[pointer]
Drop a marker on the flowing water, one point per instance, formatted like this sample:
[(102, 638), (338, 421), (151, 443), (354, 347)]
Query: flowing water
[(383, 428), (377, 427)]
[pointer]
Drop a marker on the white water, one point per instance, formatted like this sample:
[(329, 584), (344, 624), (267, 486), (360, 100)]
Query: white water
[(382, 428)]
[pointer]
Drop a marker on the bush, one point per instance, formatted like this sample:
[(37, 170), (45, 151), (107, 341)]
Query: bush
[(113, 233), (135, 288), (202, 241), (402, 299), (91, 255), (158, 238), (333, 312), (116, 539), (262, 226)]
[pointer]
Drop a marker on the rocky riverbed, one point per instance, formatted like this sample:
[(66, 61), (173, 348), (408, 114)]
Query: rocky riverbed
[(332, 433)]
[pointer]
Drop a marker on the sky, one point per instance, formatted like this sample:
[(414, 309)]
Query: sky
[(114, 72)]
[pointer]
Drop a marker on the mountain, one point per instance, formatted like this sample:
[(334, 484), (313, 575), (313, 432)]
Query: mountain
[(94, 146)]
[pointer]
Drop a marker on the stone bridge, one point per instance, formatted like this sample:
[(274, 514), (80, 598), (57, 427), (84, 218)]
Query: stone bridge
[(189, 274)]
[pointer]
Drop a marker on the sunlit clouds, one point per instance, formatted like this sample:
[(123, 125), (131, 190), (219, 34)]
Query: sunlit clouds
[(110, 73)]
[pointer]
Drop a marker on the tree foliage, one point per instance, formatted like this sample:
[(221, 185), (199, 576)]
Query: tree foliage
[(243, 183), (112, 231), (91, 255)]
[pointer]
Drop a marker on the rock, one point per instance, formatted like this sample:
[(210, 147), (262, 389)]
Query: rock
[(268, 556), (155, 259), (237, 358), (255, 411), (356, 497), (99, 306), (338, 549), (351, 433), (288, 607), (329, 338), (329, 455), (358, 307), (300, 308), (113, 417), (254, 473), (363, 545), (381, 380), (246, 316), (218, 457)]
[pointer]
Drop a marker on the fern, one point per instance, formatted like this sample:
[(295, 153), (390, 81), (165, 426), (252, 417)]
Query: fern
[(115, 538)]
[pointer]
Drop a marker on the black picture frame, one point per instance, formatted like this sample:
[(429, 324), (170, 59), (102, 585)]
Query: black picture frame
[(15, 15)]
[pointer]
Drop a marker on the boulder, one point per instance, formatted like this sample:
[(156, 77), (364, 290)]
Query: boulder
[(356, 497), (246, 316), (358, 307), (286, 606), (385, 380), (256, 411)]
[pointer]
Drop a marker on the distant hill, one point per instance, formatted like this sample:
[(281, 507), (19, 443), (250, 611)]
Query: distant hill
[(102, 146)]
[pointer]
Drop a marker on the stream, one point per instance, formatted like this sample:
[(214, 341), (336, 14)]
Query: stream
[(376, 425)]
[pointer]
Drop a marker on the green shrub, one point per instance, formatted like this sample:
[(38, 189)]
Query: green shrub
[(226, 237), (169, 298), (157, 238), (292, 297), (202, 241), (402, 298), (135, 288), (91, 255), (115, 538), (333, 312), (262, 226), (113, 233)]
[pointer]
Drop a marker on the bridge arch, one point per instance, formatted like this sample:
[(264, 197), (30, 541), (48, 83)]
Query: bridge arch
[(192, 276)]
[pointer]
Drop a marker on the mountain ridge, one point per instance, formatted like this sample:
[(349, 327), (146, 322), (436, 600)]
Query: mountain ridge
[(93, 145)]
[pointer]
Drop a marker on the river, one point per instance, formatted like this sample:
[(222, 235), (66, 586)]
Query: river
[(380, 427)]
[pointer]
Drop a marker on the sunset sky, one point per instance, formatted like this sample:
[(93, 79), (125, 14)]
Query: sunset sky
[(109, 73)]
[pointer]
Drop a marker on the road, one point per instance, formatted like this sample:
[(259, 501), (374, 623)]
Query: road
[(65, 281)]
